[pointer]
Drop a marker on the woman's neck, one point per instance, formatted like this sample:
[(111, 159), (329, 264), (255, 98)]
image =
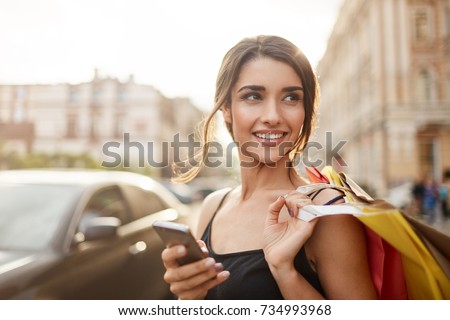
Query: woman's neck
[(265, 178)]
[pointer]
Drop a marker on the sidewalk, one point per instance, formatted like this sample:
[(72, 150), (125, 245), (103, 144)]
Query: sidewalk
[(443, 226)]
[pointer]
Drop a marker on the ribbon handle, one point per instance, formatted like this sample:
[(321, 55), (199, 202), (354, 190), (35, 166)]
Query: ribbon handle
[(311, 212)]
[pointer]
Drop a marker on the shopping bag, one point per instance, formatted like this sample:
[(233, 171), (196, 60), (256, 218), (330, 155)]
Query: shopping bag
[(407, 258)]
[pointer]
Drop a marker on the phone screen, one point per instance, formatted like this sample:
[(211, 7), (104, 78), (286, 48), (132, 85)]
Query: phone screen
[(175, 233)]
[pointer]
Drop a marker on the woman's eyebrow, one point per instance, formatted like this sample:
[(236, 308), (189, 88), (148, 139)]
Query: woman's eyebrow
[(261, 88), (252, 87), (291, 89)]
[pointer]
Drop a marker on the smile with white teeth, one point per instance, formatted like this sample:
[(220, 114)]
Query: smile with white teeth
[(269, 136)]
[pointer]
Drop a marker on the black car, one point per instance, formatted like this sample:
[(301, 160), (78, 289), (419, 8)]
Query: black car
[(80, 234)]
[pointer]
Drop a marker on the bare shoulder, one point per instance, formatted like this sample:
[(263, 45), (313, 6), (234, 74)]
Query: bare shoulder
[(345, 228), (341, 226), (338, 249), (209, 206)]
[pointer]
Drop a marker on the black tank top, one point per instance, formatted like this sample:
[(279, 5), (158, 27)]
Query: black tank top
[(250, 276)]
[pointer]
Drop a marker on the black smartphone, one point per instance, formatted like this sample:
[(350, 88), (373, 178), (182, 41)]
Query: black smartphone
[(176, 233)]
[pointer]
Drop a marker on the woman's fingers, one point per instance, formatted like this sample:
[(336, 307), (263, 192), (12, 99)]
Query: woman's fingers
[(295, 201), (191, 281), (199, 279), (274, 210), (201, 291), (202, 246), (170, 255)]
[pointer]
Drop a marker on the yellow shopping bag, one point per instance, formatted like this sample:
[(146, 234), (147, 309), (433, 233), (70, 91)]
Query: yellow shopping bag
[(408, 259)]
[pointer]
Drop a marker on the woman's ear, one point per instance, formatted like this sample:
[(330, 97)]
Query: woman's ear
[(226, 110)]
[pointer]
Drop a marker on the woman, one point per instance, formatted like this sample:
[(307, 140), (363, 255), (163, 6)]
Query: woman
[(258, 249)]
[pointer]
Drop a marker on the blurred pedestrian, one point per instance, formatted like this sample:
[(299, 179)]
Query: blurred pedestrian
[(443, 199), (430, 200), (418, 194), (259, 249)]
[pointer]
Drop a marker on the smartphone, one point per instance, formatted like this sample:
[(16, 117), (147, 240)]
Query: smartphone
[(176, 233)]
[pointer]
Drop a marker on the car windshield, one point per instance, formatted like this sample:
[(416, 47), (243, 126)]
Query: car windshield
[(30, 214)]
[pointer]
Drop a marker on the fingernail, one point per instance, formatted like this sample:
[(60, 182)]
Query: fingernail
[(218, 267), (285, 195), (181, 250), (209, 262), (224, 274)]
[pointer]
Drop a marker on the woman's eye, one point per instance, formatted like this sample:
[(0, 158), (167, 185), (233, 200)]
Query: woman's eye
[(252, 96), (292, 98)]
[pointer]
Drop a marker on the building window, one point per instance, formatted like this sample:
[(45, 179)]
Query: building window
[(423, 85), (19, 112), (118, 127), (421, 25), (71, 131), (94, 129), (448, 86), (20, 93), (97, 95), (121, 94), (447, 20), (74, 95)]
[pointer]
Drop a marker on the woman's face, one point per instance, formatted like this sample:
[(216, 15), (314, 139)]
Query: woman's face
[(267, 110)]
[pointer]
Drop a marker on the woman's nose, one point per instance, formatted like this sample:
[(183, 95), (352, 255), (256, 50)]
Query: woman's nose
[(270, 114)]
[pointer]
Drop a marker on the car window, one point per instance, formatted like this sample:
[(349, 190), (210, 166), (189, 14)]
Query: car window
[(143, 202), (31, 214), (108, 202)]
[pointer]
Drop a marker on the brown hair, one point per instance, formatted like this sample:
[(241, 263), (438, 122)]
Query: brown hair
[(248, 49)]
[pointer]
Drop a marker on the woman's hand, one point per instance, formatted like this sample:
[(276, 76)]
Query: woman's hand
[(283, 240), (191, 281)]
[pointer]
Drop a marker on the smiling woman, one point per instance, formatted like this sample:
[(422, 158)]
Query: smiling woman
[(258, 247)]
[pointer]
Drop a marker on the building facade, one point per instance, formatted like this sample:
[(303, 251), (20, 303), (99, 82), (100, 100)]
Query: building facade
[(385, 89), (105, 118)]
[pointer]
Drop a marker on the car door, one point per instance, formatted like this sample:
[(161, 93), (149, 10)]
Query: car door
[(94, 269), (147, 267)]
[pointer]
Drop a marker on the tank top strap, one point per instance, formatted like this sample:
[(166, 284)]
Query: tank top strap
[(207, 232), (220, 204)]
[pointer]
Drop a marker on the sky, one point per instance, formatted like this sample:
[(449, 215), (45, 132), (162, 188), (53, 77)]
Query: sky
[(174, 45)]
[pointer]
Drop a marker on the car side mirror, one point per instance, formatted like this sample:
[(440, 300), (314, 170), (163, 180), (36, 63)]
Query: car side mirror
[(101, 228)]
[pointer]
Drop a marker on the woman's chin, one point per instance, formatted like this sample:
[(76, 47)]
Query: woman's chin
[(272, 162)]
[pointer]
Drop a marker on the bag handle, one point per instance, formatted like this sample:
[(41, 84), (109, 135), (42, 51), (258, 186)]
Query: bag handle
[(310, 189), (353, 206)]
